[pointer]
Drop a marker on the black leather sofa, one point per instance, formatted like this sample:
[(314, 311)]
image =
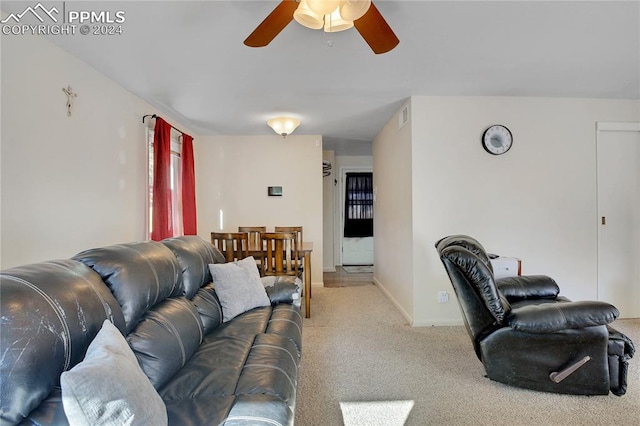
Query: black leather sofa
[(161, 297), (526, 335)]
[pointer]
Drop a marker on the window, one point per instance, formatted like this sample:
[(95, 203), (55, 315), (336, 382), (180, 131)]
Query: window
[(358, 213), (176, 196)]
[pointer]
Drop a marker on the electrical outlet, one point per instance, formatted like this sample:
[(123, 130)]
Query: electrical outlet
[(443, 297)]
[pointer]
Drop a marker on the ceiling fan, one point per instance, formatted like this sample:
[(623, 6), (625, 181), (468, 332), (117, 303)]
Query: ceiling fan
[(332, 15)]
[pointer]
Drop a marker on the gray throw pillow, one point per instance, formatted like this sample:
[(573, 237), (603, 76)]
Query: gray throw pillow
[(108, 387), (250, 265), (238, 289)]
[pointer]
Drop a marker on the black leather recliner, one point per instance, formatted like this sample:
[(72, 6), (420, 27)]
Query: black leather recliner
[(528, 336)]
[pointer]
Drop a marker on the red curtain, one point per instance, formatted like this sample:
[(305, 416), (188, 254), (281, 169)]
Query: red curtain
[(188, 186), (162, 223)]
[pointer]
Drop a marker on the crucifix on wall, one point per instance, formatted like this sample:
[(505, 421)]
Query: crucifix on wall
[(70, 95)]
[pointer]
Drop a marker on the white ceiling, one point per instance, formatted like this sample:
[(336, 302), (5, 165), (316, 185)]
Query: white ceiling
[(187, 58)]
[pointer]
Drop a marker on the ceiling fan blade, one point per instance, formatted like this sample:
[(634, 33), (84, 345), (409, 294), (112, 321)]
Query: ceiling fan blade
[(375, 31), (272, 24)]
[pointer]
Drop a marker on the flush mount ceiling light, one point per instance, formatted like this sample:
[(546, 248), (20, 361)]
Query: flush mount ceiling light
[(330, 15), (283, 125)]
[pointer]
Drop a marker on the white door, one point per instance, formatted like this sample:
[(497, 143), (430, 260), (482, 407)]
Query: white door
[(618, 171), (355, 251)]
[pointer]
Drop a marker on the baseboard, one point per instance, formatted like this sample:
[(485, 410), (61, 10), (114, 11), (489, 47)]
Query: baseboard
[(329, 269), (388, 295), (409, 318)]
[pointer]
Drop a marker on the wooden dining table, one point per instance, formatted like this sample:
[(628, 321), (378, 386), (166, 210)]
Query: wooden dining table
[(305, 254), (305, 251)]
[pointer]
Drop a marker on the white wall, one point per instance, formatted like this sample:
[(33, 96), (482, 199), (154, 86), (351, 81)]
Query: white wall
[(393, 215), (354, 161), (67, 183), (536, 202), (232, 176)]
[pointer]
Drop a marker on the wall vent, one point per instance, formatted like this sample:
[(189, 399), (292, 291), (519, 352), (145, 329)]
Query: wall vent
[(403, 117)]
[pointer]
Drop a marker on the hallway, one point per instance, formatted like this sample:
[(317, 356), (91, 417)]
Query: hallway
[(341, 278)]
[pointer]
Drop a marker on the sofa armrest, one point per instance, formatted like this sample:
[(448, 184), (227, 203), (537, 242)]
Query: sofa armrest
[(528, 287), (281, 289), (550, 317)]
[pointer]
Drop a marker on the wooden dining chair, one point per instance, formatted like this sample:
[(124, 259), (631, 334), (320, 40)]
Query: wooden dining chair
[(253, 232), (280, 254), (297, 230), (293, 229), (233, 245)]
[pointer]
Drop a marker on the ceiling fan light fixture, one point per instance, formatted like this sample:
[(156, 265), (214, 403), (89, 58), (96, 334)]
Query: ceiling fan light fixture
[(322, 7), (307, 17), (334, 22), (352, 10), (283, 125)]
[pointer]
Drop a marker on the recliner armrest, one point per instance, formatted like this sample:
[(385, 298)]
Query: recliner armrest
[(550, 317), (528, 287)]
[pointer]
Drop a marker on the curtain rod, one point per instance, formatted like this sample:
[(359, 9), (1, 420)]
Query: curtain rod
[(157, 116)]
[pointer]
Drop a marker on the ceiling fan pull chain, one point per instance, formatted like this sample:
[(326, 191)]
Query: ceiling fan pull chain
[(328, 35)]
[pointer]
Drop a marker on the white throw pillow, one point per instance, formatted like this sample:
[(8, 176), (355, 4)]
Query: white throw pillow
[(238, 289), (108, 387)]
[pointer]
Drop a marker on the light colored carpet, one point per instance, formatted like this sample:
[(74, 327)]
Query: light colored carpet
[(362, 361), (358, 269)]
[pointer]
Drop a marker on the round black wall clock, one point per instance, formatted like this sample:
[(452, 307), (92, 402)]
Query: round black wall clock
[(497, 139)]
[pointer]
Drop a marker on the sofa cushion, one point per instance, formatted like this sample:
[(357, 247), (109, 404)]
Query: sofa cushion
[(212, 371), (260, 371), (248, 324), (50, 313), (108, 387), (238, 290), (203, 410), (140, 275), (208, 305), (194, 256), (528, 287), (259, 410), (551, 317), (271, 368), (286, 321), (166, 338)]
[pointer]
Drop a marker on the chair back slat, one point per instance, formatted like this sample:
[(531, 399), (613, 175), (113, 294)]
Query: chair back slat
[(253, 233), (292, 229), (280, 253)]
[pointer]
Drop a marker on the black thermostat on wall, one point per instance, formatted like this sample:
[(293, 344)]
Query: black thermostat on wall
[(274, 191)]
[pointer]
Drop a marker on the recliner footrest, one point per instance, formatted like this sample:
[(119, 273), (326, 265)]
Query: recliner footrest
[(620, 349)]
